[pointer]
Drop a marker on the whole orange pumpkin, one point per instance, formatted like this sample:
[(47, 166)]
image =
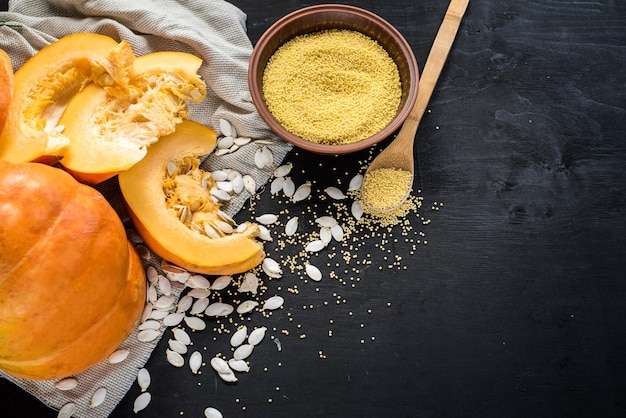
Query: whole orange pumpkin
[(72, 287)]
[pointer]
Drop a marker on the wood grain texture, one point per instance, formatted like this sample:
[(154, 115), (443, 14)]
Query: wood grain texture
[(516, 305)]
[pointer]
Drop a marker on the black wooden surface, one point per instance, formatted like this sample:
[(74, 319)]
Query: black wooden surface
[(516, 306)]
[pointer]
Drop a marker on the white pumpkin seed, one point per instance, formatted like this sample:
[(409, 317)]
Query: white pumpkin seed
[(289, 187), (239, 365), (247, 306), (250, 283), (239, 336), (226, 142), (268, 156), (165, 302), (195, 323), (119, 356), (271, 268), (277, 185), (238, 184), (228, 376), (257, 335), (259, 158), (221, 282), (225, 186), (149, 324), (168, 267), (315, 246), (164, 285), (242, 140), (233, 148), (357, 209), (219, 175), (225, 127), (267, 218), (151, 293), (211, 232), (241, 227), (264, 233), (211, 412), (141, 402), (264, 141), (143, 379), (98, 397), (355, 182), (219, 309), (220, 365), (199, 293), (220, 195), (67, 410), (180, 277), (148, 335), (174, 358), (337, 232), (177, 346), (158, 314), (147, 311), (152, 274), (68, 383), (272, 303), (283, 170), (335, 193), (198, 282), (243, 351), (184, 303), (195, 361), (246, 97), (181, 335), (326, 235), (313, 272), (326, 221), (302, 192), (292, 226), (249, 184)]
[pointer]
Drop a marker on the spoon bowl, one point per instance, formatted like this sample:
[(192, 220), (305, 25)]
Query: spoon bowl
[(399, 154)]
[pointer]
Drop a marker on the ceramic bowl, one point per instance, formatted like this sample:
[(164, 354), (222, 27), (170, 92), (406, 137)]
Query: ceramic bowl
[(334, 16)]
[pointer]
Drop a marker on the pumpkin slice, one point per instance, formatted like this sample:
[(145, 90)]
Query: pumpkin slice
[(45, 84), (6, 86), (169, 201), (72, 288), (111, 130)]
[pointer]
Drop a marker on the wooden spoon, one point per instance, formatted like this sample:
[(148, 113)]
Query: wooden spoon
[(399, 154)]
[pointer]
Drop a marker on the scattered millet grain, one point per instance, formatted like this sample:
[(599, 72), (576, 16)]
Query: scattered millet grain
[(333, 87)]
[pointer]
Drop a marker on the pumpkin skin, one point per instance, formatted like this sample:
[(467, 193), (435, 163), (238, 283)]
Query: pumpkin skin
[(164, 233), (6, 86), (45, 84), (72, 287), (110, 130)]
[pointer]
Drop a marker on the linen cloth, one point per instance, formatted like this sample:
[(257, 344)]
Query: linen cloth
[(214, 30)]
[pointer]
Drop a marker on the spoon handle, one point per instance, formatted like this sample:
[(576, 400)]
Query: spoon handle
[(436, 60)]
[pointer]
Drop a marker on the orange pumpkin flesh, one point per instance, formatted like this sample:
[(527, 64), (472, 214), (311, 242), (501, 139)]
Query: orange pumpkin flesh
[(110, 131), (143, 189), (6, 86), (45, 84), (72, 288)]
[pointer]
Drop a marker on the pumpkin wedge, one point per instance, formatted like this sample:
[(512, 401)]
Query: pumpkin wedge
[(169, 201), (6, 86), (111, 130), (72, 288), (45, 84)]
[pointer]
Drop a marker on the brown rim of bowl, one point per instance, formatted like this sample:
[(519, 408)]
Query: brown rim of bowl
[(342, 17)]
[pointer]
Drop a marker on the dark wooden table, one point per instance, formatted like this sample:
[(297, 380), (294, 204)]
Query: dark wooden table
[(516, 306)]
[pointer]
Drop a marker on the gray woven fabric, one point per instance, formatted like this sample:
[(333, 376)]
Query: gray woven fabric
[(212, 29)]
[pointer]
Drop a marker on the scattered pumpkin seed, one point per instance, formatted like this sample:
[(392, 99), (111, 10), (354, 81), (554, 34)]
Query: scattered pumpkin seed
[(277, 185), (243, 351), (221, 282), (239, 365), (195, 323), (272, 303), (177, 346), (289, 187), (250, 283), (199, 306), (195, 361), (247, 306), (357, 209), (182, 336), (174, 358), (271, 268), (141, 402), (143, 379), (355, 182), (335, 193), (68, 383), (228, 376), (267, 218), (337, 232), (239, 336), (219, 309), (225, 127), (315, 246), (148, 335), (257, 335), (313, 272), (292, 226), (67, 410), (220, 365), (98, 397), (302, 192), (283, 170), (119, 356)]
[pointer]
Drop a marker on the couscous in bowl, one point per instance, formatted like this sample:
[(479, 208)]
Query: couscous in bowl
[(333, 20)]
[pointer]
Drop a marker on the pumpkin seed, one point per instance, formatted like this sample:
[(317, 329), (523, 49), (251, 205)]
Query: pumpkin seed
[(239, 336), (181, 335), (219, 309), (219, 175), (249, 283), (220, 195), (220, 365), (246, 97), (335, 193), (198, 282), (247, 306), (243, 351), (337, 232), (164, 285), (177, 346), (272, 303), (355, 182), (238, 184), (68, 383), (283, 170), (271, 268), (313, 272), (242, 140), (257, 335), (195, 361), (264, 233), (199, 293), (225, 186), (325, 235), (302, 192), (259, 158), (165, 302), (226, 142), (292, 226), (184, 303), (67, 410), (141, 402), (249, 183), (151, 294), (211, 232), (326, 221), (195, 323), (152, 274), (143, 379), (268, 156), (174, 358), (221, 282), (225, 127), (239, 365), (225, 227), (119, 356), (171, 168), (149, 324), (158, 314), (277, 185), (148, 335), (147, 311), (228, 376), (289, 187), (267, 219), (315, 246), (98, 397)]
